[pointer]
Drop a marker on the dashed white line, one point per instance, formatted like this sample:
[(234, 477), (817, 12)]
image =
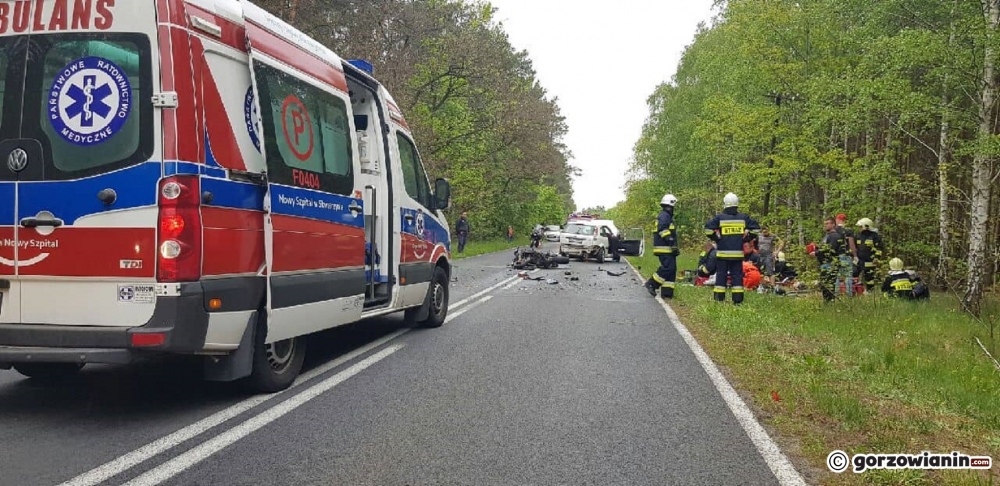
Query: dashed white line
[(776, 460), (184, 461), (470, 306), (131, 459)]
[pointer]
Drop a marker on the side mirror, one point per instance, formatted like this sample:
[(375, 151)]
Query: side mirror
[(442, 194)]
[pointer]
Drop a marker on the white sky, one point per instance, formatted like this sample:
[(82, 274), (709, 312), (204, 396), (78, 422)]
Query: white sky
[(602, 60)]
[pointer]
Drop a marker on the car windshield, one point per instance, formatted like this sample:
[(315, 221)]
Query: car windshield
[(580, 229)]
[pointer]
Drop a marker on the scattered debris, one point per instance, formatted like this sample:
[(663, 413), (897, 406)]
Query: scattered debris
[(574, 279), (551, 281), (616, 274)]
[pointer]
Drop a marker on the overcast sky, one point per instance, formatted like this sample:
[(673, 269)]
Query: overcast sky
[(602, 60)]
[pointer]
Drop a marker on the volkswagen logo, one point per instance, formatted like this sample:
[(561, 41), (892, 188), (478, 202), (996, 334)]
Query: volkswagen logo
[(17, 160)]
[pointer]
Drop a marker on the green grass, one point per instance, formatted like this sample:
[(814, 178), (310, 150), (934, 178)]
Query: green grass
[(477, 247), (863, 374)]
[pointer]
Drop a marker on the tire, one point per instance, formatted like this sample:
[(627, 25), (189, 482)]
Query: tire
[(600, 255), (275, 365), (438, 302), (561, 260), (48, 371)]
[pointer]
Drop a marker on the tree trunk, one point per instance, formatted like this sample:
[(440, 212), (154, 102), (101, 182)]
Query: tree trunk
[(944, 154), (982, 168)]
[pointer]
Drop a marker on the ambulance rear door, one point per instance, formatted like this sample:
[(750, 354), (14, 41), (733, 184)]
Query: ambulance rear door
[(314, 228), (80, 142)]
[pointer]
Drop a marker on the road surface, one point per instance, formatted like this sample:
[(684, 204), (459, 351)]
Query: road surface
[(529, 383)]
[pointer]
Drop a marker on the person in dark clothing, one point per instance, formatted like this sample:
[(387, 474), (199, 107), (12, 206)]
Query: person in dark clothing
[(847, 258), (707, 262), (870, 249), (783, 269), (728, 230), (898, 283), (665, 247), (920, 290), (828, 254), (462, 228)]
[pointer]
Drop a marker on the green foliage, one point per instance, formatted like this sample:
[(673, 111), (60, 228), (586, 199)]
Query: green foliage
[(819, 107), (479, 115)]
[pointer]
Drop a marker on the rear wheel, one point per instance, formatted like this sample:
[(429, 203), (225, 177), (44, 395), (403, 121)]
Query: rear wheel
[(275, 365), (48, 371), (600, 255)]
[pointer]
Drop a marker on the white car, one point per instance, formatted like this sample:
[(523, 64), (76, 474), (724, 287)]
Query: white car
[(585, 239), (552, 232)]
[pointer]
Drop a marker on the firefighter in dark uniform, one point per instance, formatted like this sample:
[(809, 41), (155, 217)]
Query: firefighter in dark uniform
[(898, 283), (665, 247), (728, 230), (827, 254), (870, 248)]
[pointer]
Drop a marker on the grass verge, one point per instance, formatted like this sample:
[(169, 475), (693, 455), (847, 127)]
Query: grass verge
[(864, 374), (477, 247)]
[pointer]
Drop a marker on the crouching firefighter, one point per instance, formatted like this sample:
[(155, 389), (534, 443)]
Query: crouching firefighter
[(665, 247), (727, 229)]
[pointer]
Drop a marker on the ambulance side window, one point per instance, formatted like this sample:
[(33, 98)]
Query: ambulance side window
[(306, 133), (98, 127), (413, 172)]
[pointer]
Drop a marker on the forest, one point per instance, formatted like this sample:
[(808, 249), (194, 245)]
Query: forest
[(885, 109), (480, 117)]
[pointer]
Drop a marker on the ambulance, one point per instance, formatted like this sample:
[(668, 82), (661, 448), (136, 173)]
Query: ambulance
[(198, 177)]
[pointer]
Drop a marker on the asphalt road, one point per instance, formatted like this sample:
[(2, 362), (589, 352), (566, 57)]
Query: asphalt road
[(530, 383)]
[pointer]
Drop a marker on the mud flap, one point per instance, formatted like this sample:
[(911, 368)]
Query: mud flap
[(424, 311), (235, 365)]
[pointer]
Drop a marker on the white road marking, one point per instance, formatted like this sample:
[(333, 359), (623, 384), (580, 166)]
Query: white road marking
[(192, 457), (134, 458), (471, 306), (128, 461), (782, 468), (491, 288)]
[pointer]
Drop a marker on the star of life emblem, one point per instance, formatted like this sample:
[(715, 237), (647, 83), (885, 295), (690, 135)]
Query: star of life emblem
[(89, 101)]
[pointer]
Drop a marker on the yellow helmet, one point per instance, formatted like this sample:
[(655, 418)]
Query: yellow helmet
[(865, 223), (895, 264)]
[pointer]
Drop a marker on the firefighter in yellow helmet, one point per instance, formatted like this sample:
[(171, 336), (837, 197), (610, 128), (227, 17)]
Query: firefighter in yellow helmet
[(898, 282), (870, 250)]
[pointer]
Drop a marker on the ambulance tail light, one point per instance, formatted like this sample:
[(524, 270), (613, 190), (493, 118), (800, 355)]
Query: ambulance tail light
[(178, 242)]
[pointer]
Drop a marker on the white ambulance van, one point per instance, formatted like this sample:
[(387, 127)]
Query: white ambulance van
[(198, 177)]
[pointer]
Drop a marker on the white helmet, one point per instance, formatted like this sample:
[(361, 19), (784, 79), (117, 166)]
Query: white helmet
[(896, 264), (865, 223), (668, 200), (731, 200)]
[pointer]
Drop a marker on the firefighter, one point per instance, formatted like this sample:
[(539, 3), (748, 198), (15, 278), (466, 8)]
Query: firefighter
[(870, 249), (898, 283), (728, 230), (665, 247)]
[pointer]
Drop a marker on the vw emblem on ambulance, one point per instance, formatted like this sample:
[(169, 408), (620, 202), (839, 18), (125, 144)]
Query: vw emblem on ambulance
[(17, 160)]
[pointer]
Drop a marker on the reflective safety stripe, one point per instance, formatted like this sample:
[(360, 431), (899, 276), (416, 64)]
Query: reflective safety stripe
[(709, 232), (669, 285), (665, 233), (719, 290), (730, 227), (730, 254), (659, 279), (659, 250), (869, 264), (737, 290)]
